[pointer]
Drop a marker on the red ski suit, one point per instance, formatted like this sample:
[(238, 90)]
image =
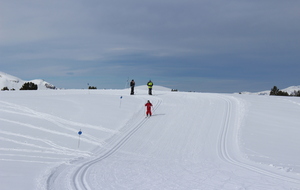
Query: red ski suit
[(148, 105)]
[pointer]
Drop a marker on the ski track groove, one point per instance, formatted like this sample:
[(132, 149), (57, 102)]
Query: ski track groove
[(58, 122), (54, 148), (79, 175), (224, 154), (21, 110)]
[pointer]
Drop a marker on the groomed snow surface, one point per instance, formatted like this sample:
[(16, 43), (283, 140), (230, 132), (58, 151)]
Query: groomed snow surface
[(192, 141)]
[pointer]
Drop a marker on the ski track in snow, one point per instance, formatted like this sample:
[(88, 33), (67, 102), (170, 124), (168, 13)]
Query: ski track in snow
[(80, 175), (228, 135), (76, 177), (69, 168), (38, 144)]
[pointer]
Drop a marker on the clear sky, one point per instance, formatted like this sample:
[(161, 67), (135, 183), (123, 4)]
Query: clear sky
[(189, 45)]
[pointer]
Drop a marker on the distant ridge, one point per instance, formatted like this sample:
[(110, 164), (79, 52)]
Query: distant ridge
[(289, 90), (12, 82)]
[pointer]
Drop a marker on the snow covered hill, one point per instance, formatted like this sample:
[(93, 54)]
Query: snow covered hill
[(192, 141), (12, 82), (289, 90)]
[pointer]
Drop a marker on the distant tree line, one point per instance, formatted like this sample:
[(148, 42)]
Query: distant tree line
[(92, 87), (277, 92), (26, 86)]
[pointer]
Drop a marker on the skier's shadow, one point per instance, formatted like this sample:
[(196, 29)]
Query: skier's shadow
[(158, 114)]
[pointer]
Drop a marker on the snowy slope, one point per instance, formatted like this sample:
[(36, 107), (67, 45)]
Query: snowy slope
[(192, 141), (12, 82), (289, 90)]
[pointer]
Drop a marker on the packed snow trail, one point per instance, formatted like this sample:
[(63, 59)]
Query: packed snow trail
[(78, 174), (192, 141), (166, 151), (229, 144)]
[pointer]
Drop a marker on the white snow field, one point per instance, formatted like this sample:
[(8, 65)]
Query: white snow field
[(193, 140)]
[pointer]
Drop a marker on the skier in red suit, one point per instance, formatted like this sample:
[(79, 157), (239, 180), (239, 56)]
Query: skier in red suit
[(148, 106)]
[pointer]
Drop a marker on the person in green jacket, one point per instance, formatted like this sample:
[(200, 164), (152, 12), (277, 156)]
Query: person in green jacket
[(150, 84)]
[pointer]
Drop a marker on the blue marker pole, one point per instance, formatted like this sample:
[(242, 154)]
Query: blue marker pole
[(120, 101), (79, 133)]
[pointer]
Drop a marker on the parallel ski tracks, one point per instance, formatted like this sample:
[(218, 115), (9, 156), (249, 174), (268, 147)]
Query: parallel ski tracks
[(224, 153), (79, 176)]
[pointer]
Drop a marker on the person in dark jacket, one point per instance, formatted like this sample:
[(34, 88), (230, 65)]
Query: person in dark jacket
[(150, 84), (132, 84)]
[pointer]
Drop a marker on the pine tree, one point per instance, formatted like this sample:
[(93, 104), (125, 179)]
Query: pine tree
[(29, 86), (274, 91)]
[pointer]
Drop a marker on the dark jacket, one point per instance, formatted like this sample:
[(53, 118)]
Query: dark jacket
[(132, 83)]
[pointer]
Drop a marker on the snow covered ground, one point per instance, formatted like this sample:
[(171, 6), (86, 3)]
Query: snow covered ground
[(193, 140)]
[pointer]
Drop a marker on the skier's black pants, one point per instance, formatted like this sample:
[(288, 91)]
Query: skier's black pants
[(132, 90)]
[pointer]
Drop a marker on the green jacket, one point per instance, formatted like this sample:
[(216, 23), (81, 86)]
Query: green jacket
[(150, 84)]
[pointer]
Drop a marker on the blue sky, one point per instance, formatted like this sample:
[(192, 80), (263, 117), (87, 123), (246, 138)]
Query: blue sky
[(189, 45)]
